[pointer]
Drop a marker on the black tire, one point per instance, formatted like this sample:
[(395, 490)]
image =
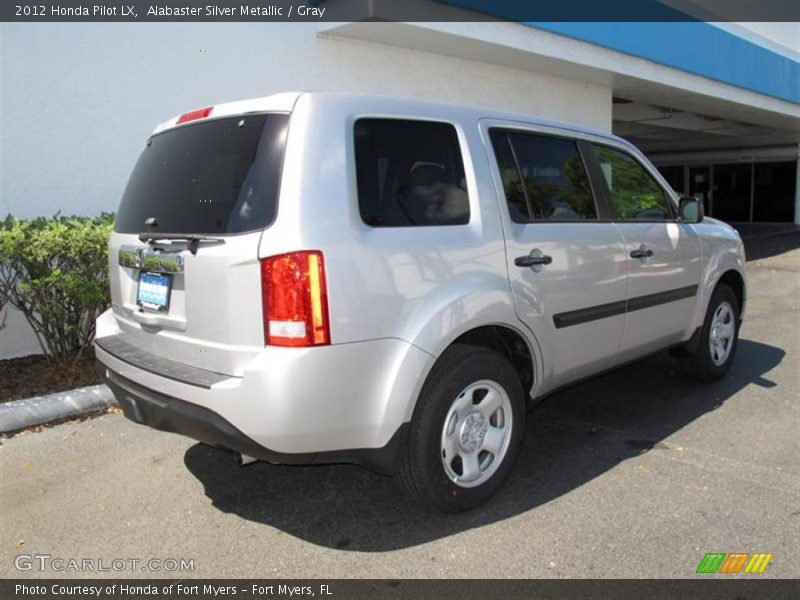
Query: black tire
[(422, 471), (700, 364)]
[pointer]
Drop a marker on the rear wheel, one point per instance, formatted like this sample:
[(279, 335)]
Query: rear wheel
[(718, 338), (467, 430)]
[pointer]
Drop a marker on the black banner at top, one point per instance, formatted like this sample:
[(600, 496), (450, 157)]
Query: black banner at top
[(400, 10)]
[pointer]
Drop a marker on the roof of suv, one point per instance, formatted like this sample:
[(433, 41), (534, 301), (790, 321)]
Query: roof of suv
[(285, 102)]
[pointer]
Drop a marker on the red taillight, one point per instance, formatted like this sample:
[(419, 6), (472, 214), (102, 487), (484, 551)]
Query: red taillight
[(200, 113), (295, 299)]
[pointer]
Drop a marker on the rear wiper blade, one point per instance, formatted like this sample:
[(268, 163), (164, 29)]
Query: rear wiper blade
[(194, 240)]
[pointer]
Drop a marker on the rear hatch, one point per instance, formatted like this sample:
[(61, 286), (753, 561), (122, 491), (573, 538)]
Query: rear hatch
[(185, 279)]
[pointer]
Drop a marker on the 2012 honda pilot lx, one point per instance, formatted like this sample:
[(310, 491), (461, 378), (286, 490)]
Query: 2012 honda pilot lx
[(317, 278)]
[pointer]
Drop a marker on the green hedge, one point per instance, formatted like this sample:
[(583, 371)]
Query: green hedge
[(55, 271)]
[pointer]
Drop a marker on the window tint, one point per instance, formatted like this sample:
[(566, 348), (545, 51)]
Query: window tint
[(633, 191), (512, 183), (409, 173), (219, 176), (553, 178), (213, 177)]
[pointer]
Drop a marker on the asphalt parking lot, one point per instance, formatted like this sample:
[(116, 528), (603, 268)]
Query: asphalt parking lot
[(636, 474)]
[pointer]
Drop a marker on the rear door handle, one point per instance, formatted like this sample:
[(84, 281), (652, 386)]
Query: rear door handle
[(532, 261), (641, 252)]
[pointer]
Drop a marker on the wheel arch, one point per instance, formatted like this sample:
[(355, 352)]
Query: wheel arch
[(725, 265), (508, 343), (734, 280), (729, 275), (520, 348)]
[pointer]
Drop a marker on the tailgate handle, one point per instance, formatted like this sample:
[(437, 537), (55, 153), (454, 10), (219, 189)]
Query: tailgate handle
[(156, 320), (153, 259)]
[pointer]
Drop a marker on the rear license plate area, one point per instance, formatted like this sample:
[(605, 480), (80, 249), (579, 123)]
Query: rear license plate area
[(153, 291)]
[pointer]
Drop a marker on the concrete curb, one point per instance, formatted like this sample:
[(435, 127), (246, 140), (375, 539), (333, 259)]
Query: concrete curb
[(21, 414)]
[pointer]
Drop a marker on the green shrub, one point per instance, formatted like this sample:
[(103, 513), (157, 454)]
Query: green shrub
[(55, 271)]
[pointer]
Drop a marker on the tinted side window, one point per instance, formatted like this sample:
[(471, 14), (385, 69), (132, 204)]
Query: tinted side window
[(512, 183), (409, 173), (554, 178), (633, 191)]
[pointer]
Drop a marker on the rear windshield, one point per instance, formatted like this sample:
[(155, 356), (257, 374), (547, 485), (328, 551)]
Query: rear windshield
[(213, 177)]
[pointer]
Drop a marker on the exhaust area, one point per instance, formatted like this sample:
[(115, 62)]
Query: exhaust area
[(243, 460)]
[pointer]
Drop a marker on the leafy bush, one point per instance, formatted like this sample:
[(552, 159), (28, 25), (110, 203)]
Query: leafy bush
[(55, 271)]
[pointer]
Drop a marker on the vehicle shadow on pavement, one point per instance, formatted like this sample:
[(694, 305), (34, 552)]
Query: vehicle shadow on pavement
[(572, 438)]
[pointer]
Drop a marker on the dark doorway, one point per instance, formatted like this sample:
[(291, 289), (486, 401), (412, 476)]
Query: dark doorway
[(774, 192), (732, 189)]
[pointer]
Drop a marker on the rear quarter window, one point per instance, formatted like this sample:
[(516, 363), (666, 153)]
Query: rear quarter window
[(409, 173)]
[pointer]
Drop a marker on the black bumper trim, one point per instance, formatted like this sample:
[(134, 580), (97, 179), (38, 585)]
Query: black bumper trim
[(119, 348), (165, 413)]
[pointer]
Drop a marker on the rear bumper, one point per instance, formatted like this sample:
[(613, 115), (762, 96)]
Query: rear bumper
[(156, 410), (338, 403)]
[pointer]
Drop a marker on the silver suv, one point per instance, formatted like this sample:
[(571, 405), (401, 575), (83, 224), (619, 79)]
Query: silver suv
[(318, 278)]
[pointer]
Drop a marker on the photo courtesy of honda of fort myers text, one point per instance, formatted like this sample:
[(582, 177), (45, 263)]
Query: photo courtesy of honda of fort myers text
[(355, 299)]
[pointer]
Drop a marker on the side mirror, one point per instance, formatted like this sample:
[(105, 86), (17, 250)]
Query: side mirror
[(691, 210)]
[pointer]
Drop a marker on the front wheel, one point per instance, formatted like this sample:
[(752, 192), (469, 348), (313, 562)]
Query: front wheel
[(719, 336), (467, 430)]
